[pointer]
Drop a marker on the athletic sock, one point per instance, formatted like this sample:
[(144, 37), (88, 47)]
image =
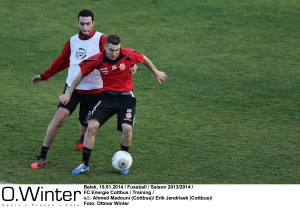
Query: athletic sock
[(81, 138), (86, 153), (44, 152), (124, 148)]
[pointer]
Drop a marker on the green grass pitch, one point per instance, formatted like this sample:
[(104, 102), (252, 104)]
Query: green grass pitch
[(229, 112)]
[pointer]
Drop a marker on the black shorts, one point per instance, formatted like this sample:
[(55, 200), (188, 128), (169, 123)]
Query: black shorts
[(87, 103), (110, 104)]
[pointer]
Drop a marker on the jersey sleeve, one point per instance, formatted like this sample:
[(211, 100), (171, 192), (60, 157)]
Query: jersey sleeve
[(59, 64), (136, 57), (90, 64), (102, 43)]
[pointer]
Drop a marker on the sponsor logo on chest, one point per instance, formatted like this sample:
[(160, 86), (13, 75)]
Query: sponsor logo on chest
[(81, 53)]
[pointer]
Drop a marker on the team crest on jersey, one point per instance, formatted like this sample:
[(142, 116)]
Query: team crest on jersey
[(122, 66), (80, 54)]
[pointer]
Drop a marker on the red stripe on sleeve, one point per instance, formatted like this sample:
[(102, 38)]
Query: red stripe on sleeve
[(102, 42)]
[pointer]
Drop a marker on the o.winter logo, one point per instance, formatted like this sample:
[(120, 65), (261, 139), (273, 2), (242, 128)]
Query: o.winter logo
[(80, 54), (37, 194)]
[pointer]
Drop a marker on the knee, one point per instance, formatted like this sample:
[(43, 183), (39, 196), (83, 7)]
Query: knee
[(126, 128), (93, 126), (60, 116)]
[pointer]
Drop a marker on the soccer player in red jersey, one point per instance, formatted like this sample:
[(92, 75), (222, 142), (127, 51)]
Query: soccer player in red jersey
[(117, 96)]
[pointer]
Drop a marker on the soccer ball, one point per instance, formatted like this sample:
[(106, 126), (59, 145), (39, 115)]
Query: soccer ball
[(121, 160)]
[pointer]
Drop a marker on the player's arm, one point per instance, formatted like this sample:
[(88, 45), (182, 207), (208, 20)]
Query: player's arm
[(59, 64), (86, 67), (102, 42), (159, 74)]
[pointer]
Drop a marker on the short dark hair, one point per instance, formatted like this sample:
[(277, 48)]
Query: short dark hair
[(113, 39), (86, 13)]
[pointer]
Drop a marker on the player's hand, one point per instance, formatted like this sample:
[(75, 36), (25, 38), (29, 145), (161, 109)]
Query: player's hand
[(133, 69), (36, 79), (161, 76), (65, 98)]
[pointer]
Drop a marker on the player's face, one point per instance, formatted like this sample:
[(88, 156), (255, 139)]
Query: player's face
[(112, 51), (85, 25)]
